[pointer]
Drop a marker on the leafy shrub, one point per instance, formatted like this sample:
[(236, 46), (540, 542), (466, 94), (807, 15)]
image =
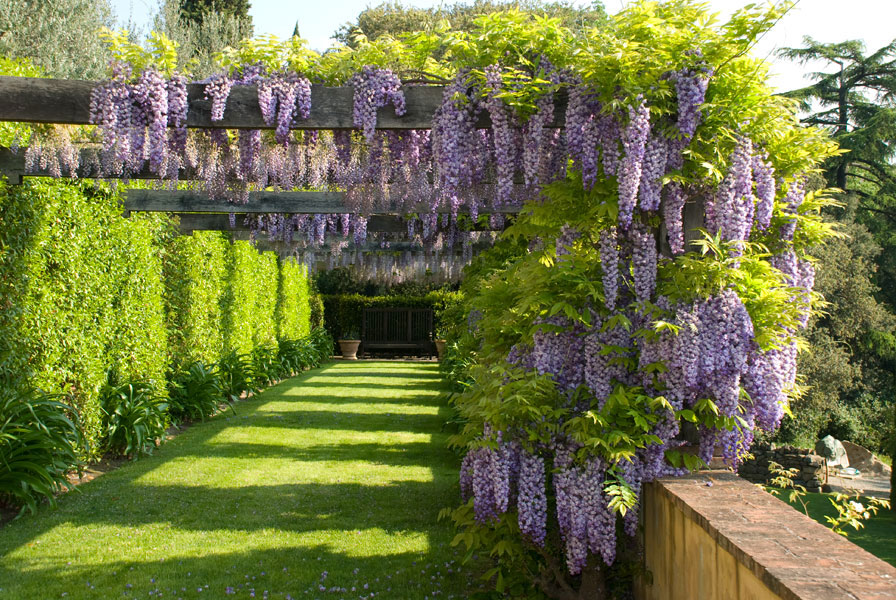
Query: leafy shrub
[(237, 375), (134, 417), (266, 364), (317, 311), (40, 440), (196, 393), (80, 288), (195, 273), (321, 345), (295, 355)]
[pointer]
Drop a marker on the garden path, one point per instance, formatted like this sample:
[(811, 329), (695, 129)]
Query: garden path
[(327, 485)]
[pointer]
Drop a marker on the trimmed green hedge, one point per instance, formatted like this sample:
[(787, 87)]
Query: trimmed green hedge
[(81, 294), (195, 272), (89, 298), (294, 302), (342, 313)]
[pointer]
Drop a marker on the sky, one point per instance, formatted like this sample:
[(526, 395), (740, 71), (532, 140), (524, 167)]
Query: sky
[(825, 20)]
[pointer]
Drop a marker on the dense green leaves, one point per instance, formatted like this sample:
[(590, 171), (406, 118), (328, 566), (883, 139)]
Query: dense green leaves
[(40, 441), (134, 418), (195, 393)]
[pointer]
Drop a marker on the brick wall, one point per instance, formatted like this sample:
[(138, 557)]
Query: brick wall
[(713, 535)]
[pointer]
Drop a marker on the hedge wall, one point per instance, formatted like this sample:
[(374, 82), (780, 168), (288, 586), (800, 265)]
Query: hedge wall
[(294, 302), (81, 293), (342, 313), (195, 272), (87, 296)]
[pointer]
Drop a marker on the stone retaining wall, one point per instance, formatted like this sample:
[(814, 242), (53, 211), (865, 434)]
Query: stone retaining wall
[(810, 466), (714, 536)]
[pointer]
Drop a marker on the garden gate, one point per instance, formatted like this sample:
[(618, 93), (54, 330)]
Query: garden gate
[(397, 329)]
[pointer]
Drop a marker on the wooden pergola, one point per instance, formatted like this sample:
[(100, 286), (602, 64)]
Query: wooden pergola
[(67, 102), (58, 101)]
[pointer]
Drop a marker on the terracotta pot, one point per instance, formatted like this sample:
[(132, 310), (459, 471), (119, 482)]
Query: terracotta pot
[(349, 349), (440, 348)]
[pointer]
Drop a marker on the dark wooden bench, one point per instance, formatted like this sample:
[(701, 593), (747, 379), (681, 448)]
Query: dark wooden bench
[(397, 329)]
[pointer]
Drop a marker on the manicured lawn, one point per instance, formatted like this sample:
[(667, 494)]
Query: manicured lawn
[(877, 537), (333, 479)]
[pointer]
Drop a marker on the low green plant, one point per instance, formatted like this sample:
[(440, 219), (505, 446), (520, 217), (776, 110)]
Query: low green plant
[(296, 355), (196, 393), (40, 441), (321, 345), (134, 418), (266, 364), (237, 375), (783, 480), (850, 510)]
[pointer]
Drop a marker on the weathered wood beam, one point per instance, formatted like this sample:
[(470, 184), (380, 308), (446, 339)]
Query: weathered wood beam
[(259, 202), (12, 164), (35, 100), (323, 252), (221, 222)]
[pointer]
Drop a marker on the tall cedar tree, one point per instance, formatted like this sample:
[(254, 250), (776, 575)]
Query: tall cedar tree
[(856, 101)]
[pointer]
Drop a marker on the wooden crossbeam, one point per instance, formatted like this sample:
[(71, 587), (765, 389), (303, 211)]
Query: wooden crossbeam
[(260, 202), (323, 253), (367, 247), (12, 164), (221, 222), (34, 100)]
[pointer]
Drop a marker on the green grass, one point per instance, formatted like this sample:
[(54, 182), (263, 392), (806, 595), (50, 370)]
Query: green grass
[(334, 478), (877, 537)]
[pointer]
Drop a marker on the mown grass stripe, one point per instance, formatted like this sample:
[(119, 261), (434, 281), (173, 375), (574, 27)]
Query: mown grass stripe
[(345, 476)]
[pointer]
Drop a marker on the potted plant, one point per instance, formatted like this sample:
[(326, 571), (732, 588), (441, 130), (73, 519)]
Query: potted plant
[(348, 344), (440, 342)]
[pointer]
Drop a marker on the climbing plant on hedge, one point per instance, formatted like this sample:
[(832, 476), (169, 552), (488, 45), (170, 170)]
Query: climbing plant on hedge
[(266, 277), (239, 299)]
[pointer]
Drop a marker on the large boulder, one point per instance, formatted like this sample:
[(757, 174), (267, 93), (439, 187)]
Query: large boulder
[(833, 451), (863, 460)]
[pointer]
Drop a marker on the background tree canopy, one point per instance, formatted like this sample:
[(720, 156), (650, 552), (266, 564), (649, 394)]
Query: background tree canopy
[(46, 32), (850, 370), (196, 10), (392, 18)]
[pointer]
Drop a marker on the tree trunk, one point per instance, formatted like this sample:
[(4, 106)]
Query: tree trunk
[(594, 585)]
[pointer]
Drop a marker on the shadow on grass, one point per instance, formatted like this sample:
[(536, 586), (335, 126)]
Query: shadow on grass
[(39, 561), (404, 455), (345, 421), (296, 394), (432, 375), (372, 387), (302, 508), (282, 572)]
